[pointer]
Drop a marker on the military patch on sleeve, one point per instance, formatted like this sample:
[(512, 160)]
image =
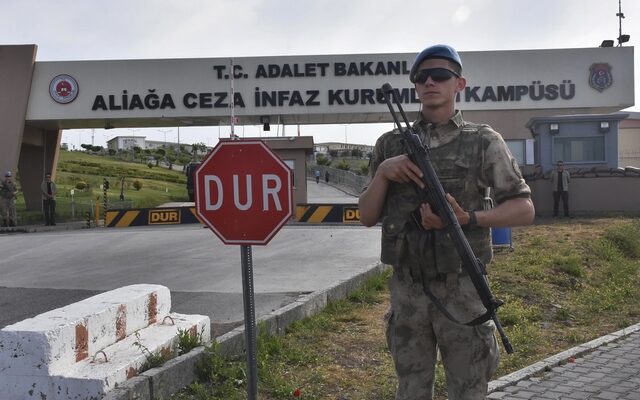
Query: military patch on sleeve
[(516, 168)]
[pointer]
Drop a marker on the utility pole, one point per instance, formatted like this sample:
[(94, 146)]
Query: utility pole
[(232, 104), (621, 38)]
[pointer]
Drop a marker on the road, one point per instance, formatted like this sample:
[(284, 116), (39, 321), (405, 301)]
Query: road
[(46, 270)]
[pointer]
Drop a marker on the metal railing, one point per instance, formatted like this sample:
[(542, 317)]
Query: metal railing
[(347, 180)]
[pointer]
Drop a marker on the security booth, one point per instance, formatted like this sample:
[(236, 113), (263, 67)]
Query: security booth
[(581, 141), (588, 146)]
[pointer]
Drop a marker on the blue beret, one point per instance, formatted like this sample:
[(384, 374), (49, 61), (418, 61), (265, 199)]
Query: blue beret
[(436, 51)]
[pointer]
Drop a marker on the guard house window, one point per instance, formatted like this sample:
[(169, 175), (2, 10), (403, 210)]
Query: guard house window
[(578, 149), (517, 148)]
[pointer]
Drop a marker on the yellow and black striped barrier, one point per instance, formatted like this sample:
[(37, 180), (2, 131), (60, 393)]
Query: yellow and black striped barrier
[(332, 213), (309, 213), (151, 216)]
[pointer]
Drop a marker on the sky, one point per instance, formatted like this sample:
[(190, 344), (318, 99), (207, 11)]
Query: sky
[(68, 30)]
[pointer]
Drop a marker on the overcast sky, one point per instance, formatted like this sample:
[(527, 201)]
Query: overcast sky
[(67, 30)]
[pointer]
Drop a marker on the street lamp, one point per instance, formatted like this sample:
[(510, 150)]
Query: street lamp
[(165, 135)]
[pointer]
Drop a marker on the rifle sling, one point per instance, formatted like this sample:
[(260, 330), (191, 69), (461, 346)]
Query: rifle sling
[(477, 321)]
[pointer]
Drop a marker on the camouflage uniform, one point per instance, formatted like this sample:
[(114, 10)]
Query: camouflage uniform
[(467, 158), (8, 202)]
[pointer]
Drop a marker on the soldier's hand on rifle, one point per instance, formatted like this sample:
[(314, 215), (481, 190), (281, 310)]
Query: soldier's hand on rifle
[(401, 169), (430, 220)]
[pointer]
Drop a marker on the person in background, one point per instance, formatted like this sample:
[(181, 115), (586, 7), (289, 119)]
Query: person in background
[(49, 191), (326, 176), (560, 184), (8, 194), (467, 158), (317, 175)]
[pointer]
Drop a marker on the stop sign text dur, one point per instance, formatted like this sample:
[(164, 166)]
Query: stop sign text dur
[(243, 192)]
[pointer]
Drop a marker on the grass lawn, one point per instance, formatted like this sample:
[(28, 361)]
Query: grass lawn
[(158, 185)]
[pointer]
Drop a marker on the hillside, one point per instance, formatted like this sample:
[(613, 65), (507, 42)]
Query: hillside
[(158, 185)]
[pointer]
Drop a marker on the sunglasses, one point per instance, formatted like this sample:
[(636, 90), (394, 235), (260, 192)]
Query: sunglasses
[(436, 74)]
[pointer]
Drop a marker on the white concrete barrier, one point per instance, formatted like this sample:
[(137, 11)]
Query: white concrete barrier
[(83, 350)]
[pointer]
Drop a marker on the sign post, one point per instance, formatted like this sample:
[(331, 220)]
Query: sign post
[(243, 193)]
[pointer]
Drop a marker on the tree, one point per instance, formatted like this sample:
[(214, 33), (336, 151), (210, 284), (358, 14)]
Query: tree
[(322, 160), (136, 150), (159, 155), (344, 165), (171, 156), (198, 149), (183, 160)]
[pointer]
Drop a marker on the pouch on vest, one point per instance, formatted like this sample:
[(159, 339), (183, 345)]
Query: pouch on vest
[(419, 254), (446, 256), (393, 240)]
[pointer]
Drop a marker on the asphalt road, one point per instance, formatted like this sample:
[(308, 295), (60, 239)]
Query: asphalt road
[(47, 270)]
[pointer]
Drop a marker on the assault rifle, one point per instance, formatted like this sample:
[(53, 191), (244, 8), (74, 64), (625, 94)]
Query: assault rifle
[(418, 153)]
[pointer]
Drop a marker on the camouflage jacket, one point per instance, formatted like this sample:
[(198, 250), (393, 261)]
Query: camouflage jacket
[(467, 158), (7, 189)]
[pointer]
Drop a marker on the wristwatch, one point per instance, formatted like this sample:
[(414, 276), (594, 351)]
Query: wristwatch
[(472, 218)]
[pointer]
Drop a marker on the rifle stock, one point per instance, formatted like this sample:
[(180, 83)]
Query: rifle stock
[(436, 196)]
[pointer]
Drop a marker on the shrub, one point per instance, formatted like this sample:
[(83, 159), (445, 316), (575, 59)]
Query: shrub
[(81, 185), (343, 165), (322, 160), (137, 185)]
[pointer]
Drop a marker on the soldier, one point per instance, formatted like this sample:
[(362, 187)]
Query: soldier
[(8, 192), (49, 191), (468, 158)]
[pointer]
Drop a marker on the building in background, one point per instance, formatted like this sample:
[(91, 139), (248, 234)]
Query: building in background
[(129, 142), (126, 143), (342, 149)]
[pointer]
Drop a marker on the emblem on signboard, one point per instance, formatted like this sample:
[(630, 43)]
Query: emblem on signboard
[(600, 76), (63, 89)]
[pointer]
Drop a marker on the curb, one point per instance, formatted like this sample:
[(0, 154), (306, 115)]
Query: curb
[(559, 359), (179, 372), (64, 226)]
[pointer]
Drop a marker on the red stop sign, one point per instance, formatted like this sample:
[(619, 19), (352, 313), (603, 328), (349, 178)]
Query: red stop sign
[(243, 192)]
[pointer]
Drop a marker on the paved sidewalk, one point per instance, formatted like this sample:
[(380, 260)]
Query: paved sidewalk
[(42, 228), (607, 368)]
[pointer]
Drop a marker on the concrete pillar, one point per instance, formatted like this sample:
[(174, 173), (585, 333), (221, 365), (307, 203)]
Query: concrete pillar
[(16, 71), (38, 154)]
